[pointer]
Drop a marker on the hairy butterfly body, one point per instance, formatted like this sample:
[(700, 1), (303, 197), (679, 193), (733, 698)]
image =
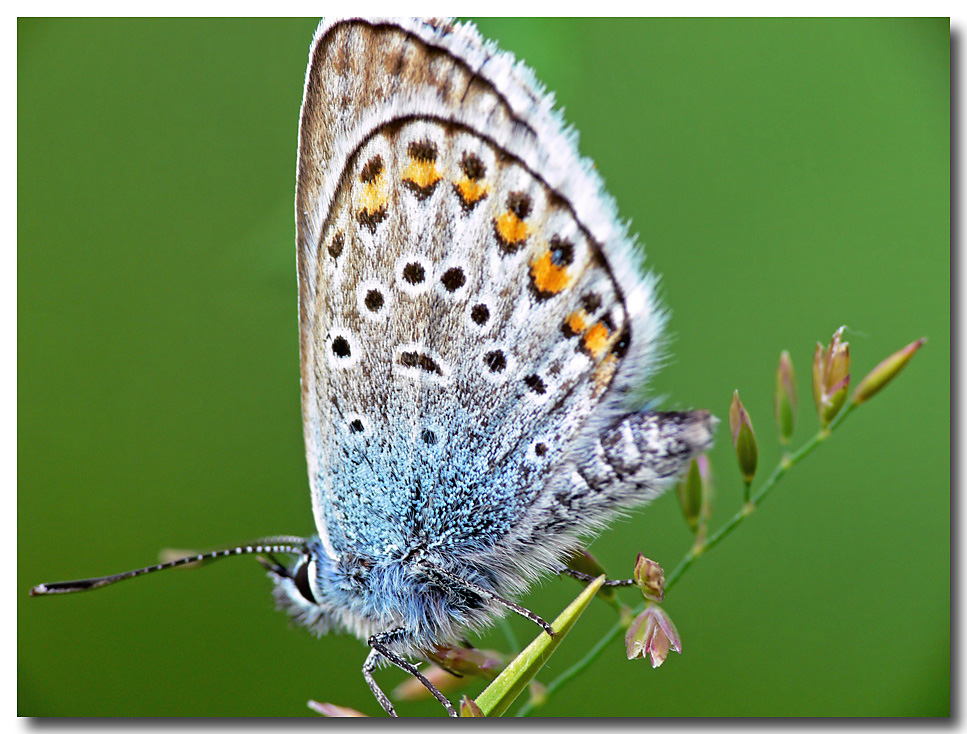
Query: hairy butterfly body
[(475, 326)]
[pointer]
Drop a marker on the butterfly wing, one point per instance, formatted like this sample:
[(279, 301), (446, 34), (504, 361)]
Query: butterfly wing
[(472, 313)]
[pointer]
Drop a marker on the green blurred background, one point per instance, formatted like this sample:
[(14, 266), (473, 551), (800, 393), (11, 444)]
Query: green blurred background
[(786, 177)]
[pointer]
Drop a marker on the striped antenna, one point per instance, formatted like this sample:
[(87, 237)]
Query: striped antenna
[(288, 544)]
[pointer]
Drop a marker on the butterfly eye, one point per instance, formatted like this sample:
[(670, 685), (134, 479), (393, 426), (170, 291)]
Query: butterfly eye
[(301, 580)]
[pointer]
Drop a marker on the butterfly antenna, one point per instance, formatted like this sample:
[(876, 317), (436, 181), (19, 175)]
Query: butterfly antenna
[(288, 544)]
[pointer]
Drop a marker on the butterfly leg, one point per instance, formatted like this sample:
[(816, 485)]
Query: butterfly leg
[(379, 644), (368, 667), (488, 594), (588, 578)]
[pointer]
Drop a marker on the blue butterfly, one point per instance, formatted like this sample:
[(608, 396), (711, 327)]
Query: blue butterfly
[(475, 326)]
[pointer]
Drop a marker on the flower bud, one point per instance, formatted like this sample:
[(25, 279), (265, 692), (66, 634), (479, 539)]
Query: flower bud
[(333, 711), (652, 634), (743, 439), (880, 376), (469, 708), (448, 661), (831, 377), (412, 689), (650, 578), (690, 493), (786, 400), (469, 661)]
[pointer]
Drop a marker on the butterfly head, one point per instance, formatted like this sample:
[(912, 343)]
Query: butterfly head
[(301, 588)]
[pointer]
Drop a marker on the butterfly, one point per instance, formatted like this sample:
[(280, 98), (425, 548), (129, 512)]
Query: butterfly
[(475, 327)]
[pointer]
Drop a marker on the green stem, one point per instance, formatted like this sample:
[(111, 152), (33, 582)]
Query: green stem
[(788, 461), (576, 669)]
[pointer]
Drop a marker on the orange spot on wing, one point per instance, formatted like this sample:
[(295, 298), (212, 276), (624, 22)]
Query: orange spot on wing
[(470, 191), (511, 228), (596, 339), (548, 277), (421, 173), (373, 196), (576, 323)]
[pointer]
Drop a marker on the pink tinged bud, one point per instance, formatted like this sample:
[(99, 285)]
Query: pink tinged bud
[(650, 578), (786, 399), (469, 661), (690, 493), (831, 377), (413, 690), (652, 634), (333, 711), (466, 662), (880, 376), (469, 708), (743, 439)]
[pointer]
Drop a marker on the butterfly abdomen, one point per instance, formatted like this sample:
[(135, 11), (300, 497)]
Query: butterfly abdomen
[(644, 452)]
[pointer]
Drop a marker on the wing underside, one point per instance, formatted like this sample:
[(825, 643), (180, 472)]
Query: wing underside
[(464, 309)]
